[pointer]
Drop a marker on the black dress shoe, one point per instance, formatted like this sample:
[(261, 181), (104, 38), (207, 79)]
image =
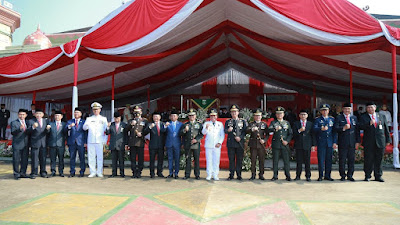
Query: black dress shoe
[(308, 179), (297, 178), (366, 179), (350, 179), (32, 176), (230, 178), (152, 176), (71, 175), (342, 179), (185, 178), (160, 175), (176, 177), (239, 178), (16, 177), (133, 176), (122, 175), (170, 176), (81, 175), (53, 174), (111, 176), (319, 179), (328, 178), (252, 177), (62, 175), (274, 178), (288, 179), (379, 179), (23, 176), (261, 177), (197, 177), (44, 176)]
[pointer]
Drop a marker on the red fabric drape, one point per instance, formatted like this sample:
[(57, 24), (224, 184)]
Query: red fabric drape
[(333, 16), (209, 87), (133, 23), (256, 87)]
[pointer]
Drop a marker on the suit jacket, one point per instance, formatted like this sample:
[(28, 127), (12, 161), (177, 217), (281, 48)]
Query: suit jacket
[(285, 133), (374, 134), (20, 137), (349, 137), (57, 137), (39, 134), (194, 132), (255, 136), (214, 134), (76, 134), (118, 139), (29, 115), (173, 139), (131, 132), (4, 116), (156, 141), (239, 130), (305, 139), (327, 137)]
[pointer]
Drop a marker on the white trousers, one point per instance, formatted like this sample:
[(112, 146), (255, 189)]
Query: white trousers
[(212, 157), (95, 151)]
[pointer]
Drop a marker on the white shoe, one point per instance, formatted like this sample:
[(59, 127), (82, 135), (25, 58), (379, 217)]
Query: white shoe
[(216, 178), (208, 178), (92, 175), (100, 175)]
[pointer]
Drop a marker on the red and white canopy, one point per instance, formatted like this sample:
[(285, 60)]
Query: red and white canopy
[(165, 45)]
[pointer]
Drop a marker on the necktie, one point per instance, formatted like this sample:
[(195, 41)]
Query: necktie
[(348, 120), (40, 123), (173, 125), (303, 123), (158, 129), (373, 117), (58, 126), (76, 123), (23, 124), (213, 123), (116, 127)]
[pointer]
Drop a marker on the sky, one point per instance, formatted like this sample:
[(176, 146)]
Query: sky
[(62, 15)]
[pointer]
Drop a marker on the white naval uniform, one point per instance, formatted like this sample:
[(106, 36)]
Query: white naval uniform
[(96, 126), (214, 134)]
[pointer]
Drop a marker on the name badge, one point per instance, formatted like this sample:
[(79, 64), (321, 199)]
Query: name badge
[(141, 123), (330, 123), (196, 126)]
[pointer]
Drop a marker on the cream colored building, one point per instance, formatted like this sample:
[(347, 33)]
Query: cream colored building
[(9, 22)]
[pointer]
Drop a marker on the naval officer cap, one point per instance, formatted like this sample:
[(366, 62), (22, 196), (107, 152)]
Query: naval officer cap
[(257, 112), (192, 112), (234, 107), (324, 107), (213, 112), (280, 109), (96, 105)]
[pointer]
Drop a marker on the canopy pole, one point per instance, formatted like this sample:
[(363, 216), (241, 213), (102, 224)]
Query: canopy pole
[(351, 87), (262, 104), (34, 98), (265, 101), (396, 163), (75, 87), (314, 100), (181, 103), (112, 96), (148, 97), (187, 105)]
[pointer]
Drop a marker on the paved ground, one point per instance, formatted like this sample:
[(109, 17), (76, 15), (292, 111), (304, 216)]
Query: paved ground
[(167, 201)]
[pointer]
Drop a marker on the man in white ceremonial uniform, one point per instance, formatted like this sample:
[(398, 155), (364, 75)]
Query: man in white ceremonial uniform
[(96, 126), (214, 132)]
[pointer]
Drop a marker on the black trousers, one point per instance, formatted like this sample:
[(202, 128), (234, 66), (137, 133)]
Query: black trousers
[(3, 128), (346, 154), (276, 152), (38, 156), (235, 156), (260, 153), (20, 162), (118, 160), (54, 153), (160, 160), (139, 152), (373, 160), (196, 155), (303, 157)]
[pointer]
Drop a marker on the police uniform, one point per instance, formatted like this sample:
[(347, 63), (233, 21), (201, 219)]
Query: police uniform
[(136, 143), (193, 132), (325, 140), (214, 135), (235, 148), (96, 127), (281, 132), (258, 131)]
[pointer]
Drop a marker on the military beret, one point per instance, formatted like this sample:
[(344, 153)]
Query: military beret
[(117, 114), (324, 106), (234, 107), (279, 109), (213, 112), (257, 112), (346, 105), (192, 112)]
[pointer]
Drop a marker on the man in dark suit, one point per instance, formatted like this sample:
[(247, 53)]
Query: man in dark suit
[(117, 144), (157, 131), (136, 140), (4, 116), (376, 138), (258, 137), (20, 145), (31, 113), (57, 136), (304, 143), (38, 133), (347, 128), (191, 134), (173, 144), (76, 141), (236, 130)]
